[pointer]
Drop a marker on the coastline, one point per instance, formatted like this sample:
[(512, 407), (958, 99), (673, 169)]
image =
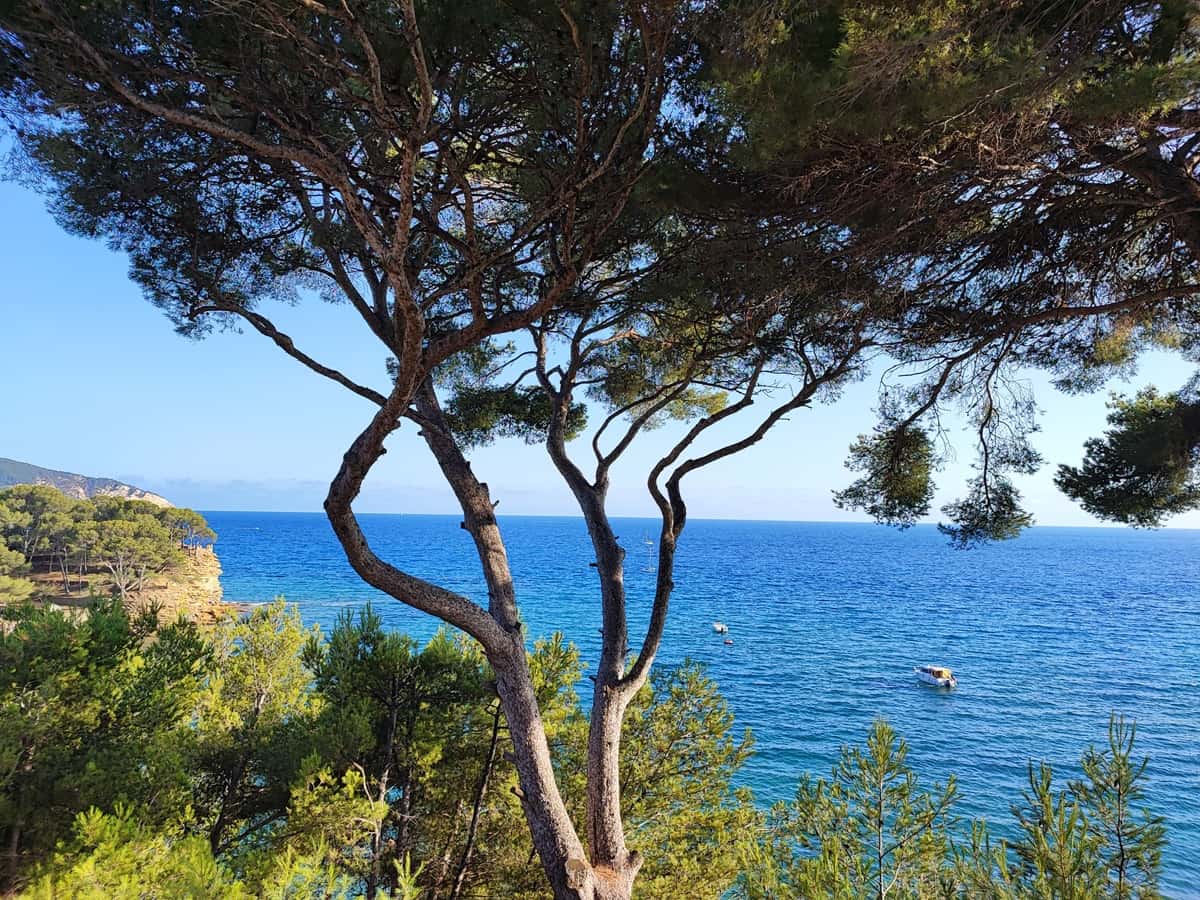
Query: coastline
[(192, 590)]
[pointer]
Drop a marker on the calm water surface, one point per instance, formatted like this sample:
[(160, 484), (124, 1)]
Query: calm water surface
[(1048, 634)]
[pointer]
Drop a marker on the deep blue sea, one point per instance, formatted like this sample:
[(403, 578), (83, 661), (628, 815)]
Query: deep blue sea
[(1047, 633)]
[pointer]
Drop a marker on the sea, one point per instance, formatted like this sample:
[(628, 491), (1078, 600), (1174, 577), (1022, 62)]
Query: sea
[(1048, 634)]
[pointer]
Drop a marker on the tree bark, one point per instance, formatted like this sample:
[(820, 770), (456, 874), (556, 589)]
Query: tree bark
[(498, 629), (553, 833), (613, 864), (610, 697)]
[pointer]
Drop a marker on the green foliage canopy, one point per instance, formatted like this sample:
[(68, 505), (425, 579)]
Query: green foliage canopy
[(265, 759), (1019, 176), (871, 830), (1144, 468), (897, 484)]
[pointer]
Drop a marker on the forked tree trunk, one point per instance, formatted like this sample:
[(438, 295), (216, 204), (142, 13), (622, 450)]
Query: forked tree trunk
[(615, 867), (610, 871)]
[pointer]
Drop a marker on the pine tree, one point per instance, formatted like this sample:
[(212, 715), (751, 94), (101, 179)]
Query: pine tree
[(1111, 792), (1057, 853), (868, 831)]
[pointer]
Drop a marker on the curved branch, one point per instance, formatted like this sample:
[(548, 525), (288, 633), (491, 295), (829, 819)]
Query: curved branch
[(288, 346), (604, 461), (425, 596), (674, 509), (688, 439)]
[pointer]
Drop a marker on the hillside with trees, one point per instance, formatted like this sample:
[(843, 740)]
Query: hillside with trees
[(60, 550)]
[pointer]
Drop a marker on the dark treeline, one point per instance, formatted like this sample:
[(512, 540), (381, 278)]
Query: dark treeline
[(124, 541), (264, 759)]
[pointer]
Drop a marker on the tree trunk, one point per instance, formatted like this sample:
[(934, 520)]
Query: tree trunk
[(480, 789), (14, 851), (375, 875), (407, 783), (435, 889), (498, 629), (217, 832), (120, 577), (614, 866), (554, 836)]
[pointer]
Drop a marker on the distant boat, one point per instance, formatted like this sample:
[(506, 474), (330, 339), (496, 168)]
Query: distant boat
[(720, 628), (649, 566), (938, 676)]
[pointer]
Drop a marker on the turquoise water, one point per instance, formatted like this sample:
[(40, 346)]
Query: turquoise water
[(1048, 634)]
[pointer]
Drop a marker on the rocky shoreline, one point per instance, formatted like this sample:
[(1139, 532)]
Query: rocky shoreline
[(193, 590)]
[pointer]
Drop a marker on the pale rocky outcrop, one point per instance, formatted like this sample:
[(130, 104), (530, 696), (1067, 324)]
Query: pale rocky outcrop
[(192, 589), (80, 487)]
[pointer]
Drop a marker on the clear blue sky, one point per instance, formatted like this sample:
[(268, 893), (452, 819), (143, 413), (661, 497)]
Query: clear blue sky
[(96, 382)]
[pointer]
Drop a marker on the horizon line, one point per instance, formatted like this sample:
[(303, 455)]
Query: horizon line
[(1099, 526)]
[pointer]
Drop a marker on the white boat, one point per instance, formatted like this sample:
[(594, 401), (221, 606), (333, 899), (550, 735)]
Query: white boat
[(650, 567), (938, 676), (720, 628)]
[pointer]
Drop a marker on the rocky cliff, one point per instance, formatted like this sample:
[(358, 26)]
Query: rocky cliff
[(78, 486), (191, 590)]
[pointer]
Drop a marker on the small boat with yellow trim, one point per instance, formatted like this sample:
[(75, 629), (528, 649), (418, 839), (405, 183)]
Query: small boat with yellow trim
[(938, 676)]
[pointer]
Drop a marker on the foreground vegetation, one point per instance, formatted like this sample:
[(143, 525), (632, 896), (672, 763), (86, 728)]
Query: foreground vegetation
[(91, 546), (265, 759)]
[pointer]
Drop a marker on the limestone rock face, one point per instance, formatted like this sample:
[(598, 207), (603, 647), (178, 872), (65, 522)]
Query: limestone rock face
[(192, 590), (81, 487)]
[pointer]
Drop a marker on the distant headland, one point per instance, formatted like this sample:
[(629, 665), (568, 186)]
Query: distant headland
[(67, 539), (78, 487)]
